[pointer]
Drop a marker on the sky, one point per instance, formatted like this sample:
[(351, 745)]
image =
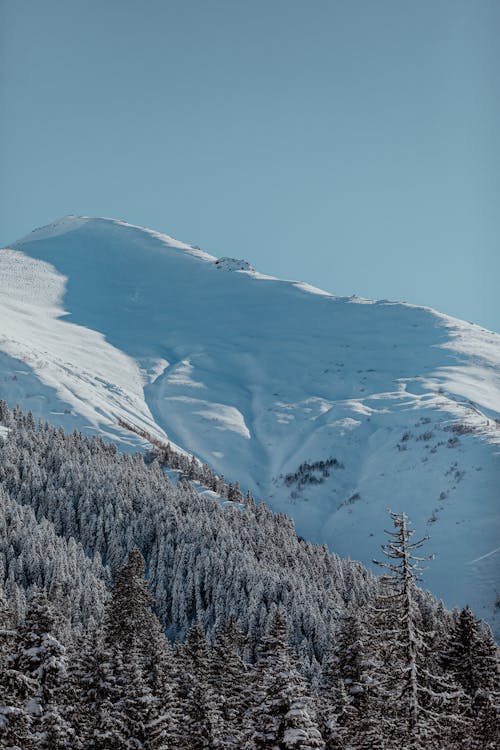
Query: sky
[(351, 144)]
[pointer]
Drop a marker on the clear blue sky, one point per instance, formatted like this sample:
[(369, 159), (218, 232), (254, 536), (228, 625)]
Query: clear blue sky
[(354, 145)]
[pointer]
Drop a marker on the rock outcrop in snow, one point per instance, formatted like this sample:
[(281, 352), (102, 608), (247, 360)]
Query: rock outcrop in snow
[(233, 264)]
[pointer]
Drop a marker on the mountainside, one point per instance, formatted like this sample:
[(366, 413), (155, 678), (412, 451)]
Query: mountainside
[(331, 409), (71, 509)]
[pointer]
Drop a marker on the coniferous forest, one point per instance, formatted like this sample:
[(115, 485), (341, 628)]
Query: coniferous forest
[(137, 614)]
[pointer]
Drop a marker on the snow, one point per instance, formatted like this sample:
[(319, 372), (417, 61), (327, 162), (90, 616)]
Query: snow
[(100, 319), (311, 289), (152, 369), (96, 380)]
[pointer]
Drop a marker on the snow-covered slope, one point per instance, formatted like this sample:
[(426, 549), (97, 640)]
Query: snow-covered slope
[(389, 404)]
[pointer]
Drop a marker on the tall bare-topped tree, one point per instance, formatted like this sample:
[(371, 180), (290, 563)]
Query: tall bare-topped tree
[(417, 697)]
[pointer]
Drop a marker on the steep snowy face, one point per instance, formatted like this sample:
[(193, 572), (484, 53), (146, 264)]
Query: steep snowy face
[(331, 409)]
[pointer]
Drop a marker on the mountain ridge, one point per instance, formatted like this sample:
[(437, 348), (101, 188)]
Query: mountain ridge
[(259, 376)]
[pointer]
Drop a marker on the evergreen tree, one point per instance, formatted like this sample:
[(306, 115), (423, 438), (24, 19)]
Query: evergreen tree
[(164, 716), (233, 680), (284, 716), (83, 660), (40, 657), (121, 681), (485, 734), (418, 700), (102, 691), (201, 707), (16, 687), (350, 657), (471, 655), (333, 705), (471, 658)]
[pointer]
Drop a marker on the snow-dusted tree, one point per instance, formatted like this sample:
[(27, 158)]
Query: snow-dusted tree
[(16, 687), (129, 617), (284, 715), (418, 701), (165, 718), (83, 683), (119, 684), (5, 415), (350, 703), (471, 657), (334, 711), (201, 705), (40, 657), (351, 657), (100, 725), (233, 681), (485, 734), (471, 654)]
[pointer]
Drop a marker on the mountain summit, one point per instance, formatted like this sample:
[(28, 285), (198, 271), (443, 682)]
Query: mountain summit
[(329, 408)]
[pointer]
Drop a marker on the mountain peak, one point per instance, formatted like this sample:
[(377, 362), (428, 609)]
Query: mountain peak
[(329, 408), (105, 225)]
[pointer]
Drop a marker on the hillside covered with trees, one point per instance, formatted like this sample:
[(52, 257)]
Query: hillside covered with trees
[(137, 613)]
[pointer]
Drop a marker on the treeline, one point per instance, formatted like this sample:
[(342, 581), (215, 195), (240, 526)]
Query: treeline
[(188, 466), (122, 685), (73, 507), (278, 644)]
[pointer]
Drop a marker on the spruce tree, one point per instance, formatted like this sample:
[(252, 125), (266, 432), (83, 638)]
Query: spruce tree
[(350, 656), (417, 699), (40, 656), (16, 687), (233, 680), (164, 716), (201, 706), (284, 715), (83, 683), (122, 681), (471, 658), (471, 655), (333, 705)]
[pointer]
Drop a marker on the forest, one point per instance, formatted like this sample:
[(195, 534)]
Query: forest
[(136, 613)]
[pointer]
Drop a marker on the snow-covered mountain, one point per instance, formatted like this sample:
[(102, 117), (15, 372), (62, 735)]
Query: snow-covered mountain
[(331, 409)]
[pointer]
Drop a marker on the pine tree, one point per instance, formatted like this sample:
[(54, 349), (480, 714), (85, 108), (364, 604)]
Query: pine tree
[(40, 657), (102, 690), (471, 658), (416, 697), (284, 715), (120, 684), (129, 617), (201, 707), (471, 655), (485, 734), (164, 717), (83, 657), (233, 680), (334, 710), (16, 687), (350, 656), (349, 703)]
